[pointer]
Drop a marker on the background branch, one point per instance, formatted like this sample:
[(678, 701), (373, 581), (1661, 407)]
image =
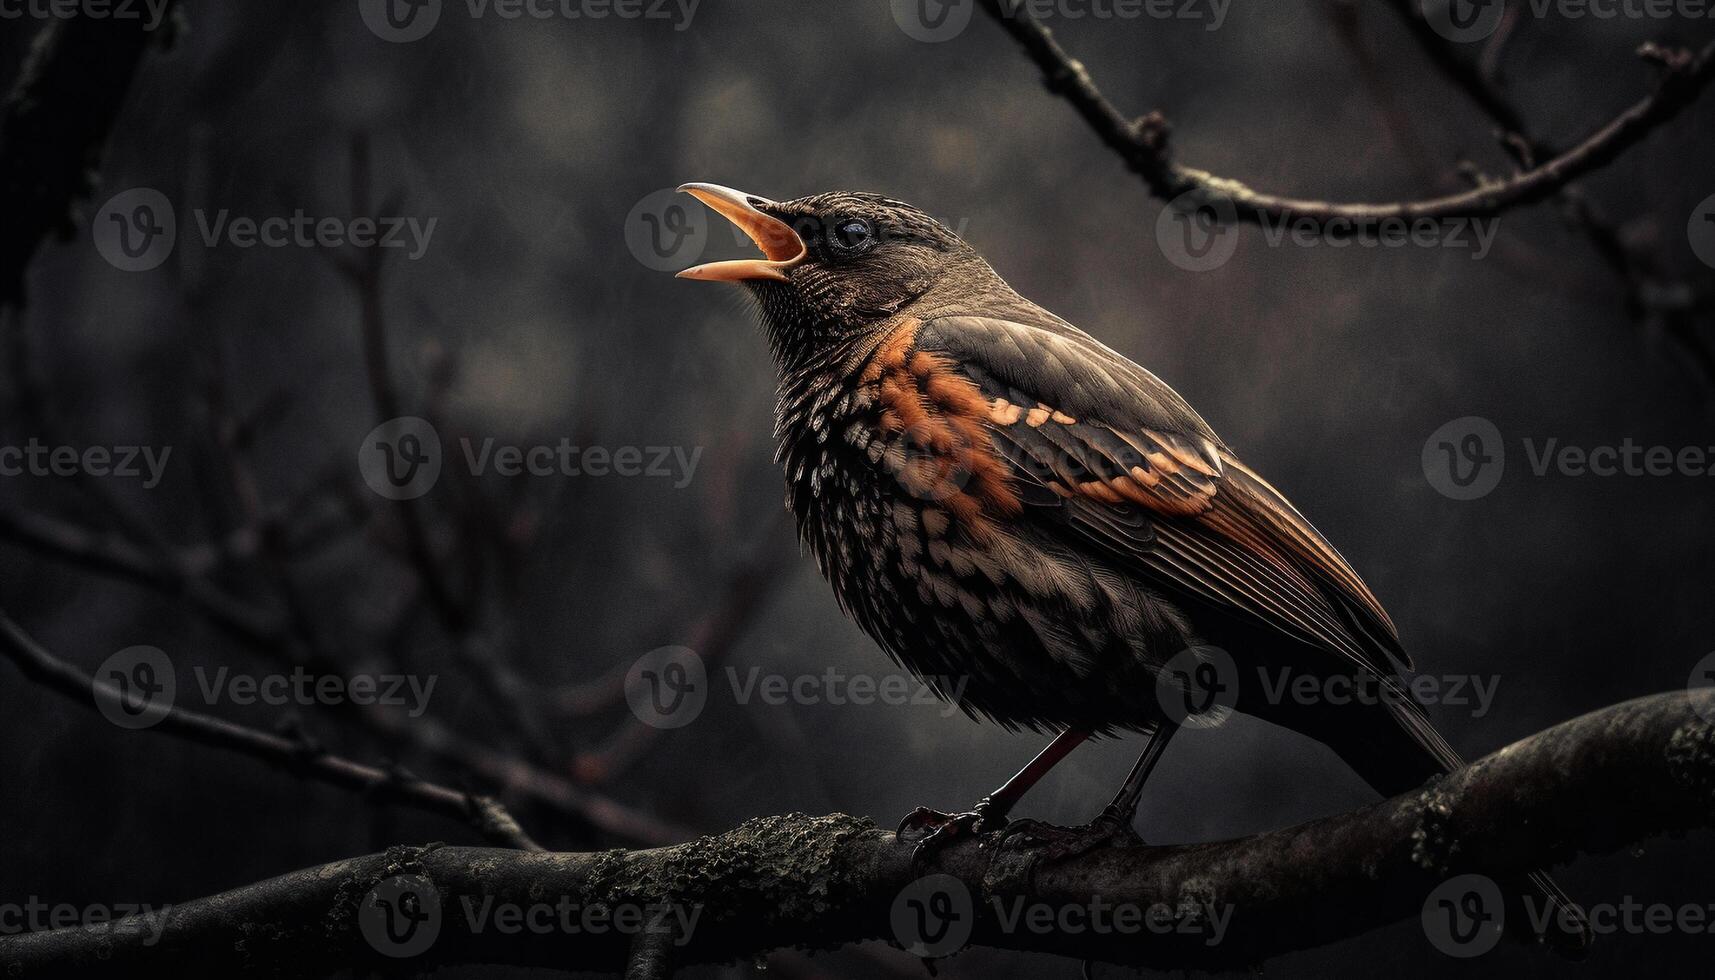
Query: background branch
[(297, 756), (1143, 143)]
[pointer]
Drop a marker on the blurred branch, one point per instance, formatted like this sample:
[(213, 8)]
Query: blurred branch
[(1647, 296), (299, 757), (265, 633), (55, 123), (1143, 143), (504, 689), (1597, 783), (111, 554)]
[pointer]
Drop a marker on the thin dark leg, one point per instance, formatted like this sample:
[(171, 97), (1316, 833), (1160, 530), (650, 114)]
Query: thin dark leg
[(1114, 822), (1001, 801), (1125, 803), (991, 810)]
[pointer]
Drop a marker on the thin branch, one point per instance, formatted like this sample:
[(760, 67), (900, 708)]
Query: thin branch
[(293, 756), (111, 554), (1598, 783), (1143, 144), (1638, 272), (266, 636)]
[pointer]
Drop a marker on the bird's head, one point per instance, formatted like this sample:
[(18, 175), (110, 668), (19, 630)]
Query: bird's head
[(838, 265)]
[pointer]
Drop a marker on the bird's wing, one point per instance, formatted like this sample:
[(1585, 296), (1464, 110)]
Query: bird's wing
[(1100, 447)]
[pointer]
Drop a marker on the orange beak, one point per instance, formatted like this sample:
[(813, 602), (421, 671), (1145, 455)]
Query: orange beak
[(781, 245)]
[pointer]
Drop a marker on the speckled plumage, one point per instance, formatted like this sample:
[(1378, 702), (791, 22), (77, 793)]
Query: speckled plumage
[(1053, 601)]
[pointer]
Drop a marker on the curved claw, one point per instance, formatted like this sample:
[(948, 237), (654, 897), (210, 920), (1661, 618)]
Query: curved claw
[(946, 828)]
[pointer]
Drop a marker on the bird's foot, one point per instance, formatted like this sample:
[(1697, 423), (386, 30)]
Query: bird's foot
[(941, 829), (1111, 829)]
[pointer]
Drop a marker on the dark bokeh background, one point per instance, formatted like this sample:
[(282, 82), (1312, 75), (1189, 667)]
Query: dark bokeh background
[(531, 143)]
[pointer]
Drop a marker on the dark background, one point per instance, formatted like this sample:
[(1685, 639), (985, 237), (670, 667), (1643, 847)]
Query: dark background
[(531, 142)]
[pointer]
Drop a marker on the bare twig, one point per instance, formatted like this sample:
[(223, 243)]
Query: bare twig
[(266, 635), (1143, 144), (1639, 273), (1597, 783), (486, 814)]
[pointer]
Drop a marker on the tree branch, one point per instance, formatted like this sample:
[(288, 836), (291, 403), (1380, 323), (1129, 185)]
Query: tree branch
[(1597, 783), (1143, 144), (263, 633), (1639, 271), (296, 756)]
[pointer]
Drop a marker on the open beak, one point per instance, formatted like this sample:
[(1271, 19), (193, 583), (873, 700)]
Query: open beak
[(781, 245)]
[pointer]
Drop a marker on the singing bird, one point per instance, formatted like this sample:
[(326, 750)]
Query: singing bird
[(997, 497)]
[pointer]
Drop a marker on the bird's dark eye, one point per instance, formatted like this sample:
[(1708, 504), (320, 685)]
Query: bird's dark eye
[(852, 235)]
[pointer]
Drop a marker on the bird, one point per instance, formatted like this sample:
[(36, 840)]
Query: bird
[(997, 497)]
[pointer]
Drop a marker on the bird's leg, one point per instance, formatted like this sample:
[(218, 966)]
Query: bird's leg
[(1115, 821), (990, 811)]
